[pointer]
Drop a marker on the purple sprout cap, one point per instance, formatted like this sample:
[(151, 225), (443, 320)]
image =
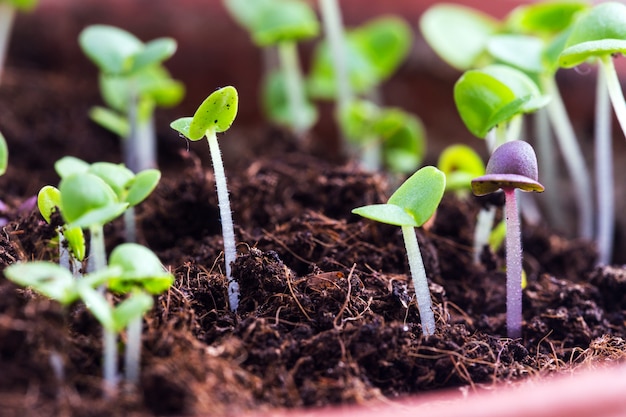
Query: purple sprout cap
[(512, 165)]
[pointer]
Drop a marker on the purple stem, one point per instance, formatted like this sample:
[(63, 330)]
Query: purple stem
[(513, 265)]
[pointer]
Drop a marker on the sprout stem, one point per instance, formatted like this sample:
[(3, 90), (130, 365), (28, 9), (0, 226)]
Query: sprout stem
[(548, 167), (513, 265), (604, 170), (98, 262), (7, 14), (228, 229), (420, 282), (572, 155), (482, 231), (288, 55), (132, 354)]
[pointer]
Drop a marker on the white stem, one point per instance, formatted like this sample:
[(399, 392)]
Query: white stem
[(140, 146), (130, 225), (513, 265), (228, 228), (371, 158), (604, 170), (548, 164), (333, 27), (420, 282), (288, 54), (132, 355), (98, 262), (7, 15), (573, 157), (482, 231)]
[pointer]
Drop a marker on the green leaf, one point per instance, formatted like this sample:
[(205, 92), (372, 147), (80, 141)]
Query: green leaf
[(386, 213), (599, 32), (110, 48), (142, 186), (357, 120), (404, 142), (116, 176), (154, 52), (373, 52), (86, 200), (494, 95), (284, 21), (48, 200), (458, 34), (96, 302), (276, 104), (4, 155), (76, 241), (460, 164), (135, 306), (110, 120), (69, 165), (519, 51), (46, 278), (140, 269), (181, 125), (420, 194), (216, 113), (545, 18), (24, 5), (246, 12), (385, 42)]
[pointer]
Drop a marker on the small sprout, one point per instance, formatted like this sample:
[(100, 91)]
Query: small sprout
[(215, 115), (410, 206), (599, 35), (282, 23), (545, 18), (141, 271), (384, 137), (513, 165), (374, 51), (494, 95), (461, 164), (132, 82)]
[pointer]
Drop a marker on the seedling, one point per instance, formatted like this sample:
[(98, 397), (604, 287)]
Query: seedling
[(89, 203), (128, 187), (7, 15), (388, 138), (598, 36), (512, 166), (142, 272), (410, 206), (133, 82), (461, 164), (71, 240), (282, 23), (492, 97), (215, 115)]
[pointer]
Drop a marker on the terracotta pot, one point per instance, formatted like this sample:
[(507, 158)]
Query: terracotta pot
[(590, 393)]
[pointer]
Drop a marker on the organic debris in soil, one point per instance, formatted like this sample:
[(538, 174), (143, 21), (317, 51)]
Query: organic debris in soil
[(327, 314)]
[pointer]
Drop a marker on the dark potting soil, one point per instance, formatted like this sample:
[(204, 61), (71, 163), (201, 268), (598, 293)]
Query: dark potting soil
[(327, 314)]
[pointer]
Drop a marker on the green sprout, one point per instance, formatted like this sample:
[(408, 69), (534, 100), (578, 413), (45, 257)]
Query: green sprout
[(282, 23), (71, 240), (142, 273), (128, 187), (491, 98), (385, 137), (215, 115), (598, 36), (133, 82), (410, 206), (461, 164), (7, 16)]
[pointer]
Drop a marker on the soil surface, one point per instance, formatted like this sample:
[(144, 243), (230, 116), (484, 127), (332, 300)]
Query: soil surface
[(327, 314)]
